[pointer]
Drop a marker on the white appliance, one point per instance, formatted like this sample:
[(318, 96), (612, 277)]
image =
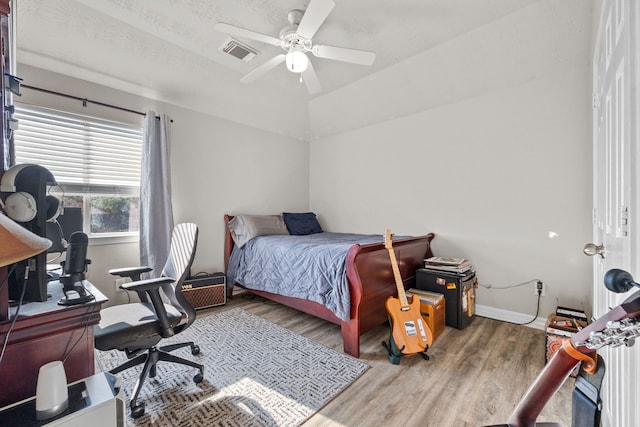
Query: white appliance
[(95, 401)]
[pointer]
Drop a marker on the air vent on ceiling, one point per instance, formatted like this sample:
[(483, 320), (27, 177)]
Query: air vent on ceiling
[(238, 49)]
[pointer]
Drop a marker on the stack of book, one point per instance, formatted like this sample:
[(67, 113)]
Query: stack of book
[(452, 265)]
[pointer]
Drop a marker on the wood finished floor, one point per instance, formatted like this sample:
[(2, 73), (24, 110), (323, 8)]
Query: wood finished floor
[(474, 377)]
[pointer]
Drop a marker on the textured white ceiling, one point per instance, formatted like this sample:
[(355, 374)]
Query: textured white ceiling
[(168, 49)]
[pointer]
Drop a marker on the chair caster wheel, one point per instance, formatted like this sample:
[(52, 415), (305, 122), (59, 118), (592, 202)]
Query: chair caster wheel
[(137, 411), (198, 378), (195, 350)]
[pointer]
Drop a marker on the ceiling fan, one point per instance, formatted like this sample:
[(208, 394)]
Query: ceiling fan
[(296, 40)]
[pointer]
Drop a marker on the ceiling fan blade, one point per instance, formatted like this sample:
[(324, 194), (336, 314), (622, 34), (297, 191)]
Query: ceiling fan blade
[(263, 69), (314, 16), (237, 31), (354, 56), (310, 79)]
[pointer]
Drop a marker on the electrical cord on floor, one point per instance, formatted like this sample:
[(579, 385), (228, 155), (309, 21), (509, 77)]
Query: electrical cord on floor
[(539, 285), (537, 311)]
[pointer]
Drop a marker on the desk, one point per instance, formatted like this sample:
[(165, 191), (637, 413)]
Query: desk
[(44, 332)]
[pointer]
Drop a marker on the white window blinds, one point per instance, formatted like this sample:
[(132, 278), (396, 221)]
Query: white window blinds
[(81, 152)]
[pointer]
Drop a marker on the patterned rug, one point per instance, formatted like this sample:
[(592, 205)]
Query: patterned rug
[(256, 374)]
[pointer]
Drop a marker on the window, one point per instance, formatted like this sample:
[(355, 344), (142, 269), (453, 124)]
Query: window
[(96, 164)]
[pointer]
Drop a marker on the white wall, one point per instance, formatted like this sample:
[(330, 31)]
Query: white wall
[(484, 140), (217, 166)]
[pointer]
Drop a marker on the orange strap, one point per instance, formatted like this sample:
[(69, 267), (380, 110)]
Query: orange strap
[(589, 361)]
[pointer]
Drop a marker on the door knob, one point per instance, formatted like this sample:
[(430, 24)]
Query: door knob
[(592, 249)]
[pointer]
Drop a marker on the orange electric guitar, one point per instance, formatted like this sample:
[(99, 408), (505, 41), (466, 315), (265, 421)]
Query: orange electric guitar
[(409, 332)]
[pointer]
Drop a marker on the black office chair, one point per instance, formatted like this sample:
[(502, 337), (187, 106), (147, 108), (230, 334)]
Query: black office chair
[(136, 328)]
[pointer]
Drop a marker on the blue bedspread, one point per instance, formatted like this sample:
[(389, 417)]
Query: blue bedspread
[(311, 267)]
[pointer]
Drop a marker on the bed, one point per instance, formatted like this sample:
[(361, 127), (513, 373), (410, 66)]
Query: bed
[(368, 276)]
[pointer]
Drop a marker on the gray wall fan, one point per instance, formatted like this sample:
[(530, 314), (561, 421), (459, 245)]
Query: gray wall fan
[(296, 40)]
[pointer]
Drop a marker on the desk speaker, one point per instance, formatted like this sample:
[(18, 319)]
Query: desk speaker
[(205, 291)]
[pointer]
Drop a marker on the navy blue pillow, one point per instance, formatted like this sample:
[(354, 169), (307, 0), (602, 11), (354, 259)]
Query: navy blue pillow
[(300, 224)]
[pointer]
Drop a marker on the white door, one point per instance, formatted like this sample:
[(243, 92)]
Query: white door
[(615, 120)]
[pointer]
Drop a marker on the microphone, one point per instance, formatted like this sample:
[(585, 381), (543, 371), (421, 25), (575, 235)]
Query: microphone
[(73, 270), (619, 281), (76, 261)]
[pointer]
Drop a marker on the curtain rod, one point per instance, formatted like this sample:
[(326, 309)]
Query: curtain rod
[(85, 100)]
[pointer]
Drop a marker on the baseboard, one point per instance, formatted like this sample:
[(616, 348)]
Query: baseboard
[(510, 316)]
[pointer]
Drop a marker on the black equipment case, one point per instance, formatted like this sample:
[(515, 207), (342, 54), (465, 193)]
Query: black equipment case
[(458, 290)]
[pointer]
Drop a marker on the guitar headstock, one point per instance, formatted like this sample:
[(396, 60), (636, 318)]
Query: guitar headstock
[(620, 326), (387, 239)]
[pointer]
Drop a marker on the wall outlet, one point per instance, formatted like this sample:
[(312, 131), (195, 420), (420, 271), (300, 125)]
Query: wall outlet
[(119, 281), (539, 287)]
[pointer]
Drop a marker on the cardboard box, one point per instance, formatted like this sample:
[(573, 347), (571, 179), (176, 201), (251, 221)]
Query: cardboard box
[(432, 309)]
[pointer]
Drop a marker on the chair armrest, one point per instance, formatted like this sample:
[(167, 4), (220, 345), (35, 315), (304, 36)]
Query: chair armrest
[(147, 285), (152, 288), (131, 272)]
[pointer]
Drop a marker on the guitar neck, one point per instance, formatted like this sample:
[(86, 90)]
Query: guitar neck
[(402, 296)]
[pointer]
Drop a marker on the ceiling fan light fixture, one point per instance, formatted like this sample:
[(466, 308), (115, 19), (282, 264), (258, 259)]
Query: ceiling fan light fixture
[(296, 40), (297, 61)]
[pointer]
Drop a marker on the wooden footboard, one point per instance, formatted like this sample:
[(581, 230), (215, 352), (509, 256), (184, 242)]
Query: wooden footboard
[(371, 282)]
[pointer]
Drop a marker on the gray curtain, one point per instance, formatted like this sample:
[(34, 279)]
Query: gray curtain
[(156, 214)]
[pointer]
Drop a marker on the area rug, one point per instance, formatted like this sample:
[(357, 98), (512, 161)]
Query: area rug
[(256, 374)]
